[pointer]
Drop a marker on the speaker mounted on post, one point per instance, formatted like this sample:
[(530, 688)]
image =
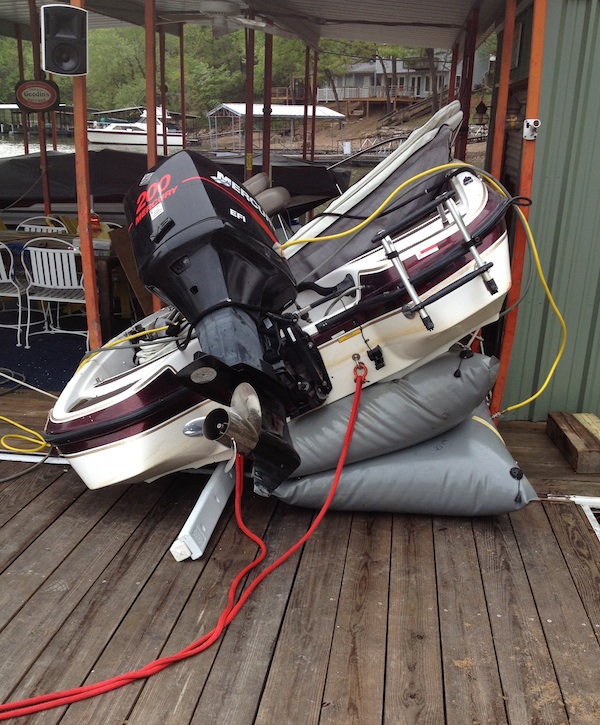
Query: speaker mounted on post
[(64, 40)]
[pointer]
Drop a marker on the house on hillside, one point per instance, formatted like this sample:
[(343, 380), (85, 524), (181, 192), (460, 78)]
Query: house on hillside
[(409, 80)]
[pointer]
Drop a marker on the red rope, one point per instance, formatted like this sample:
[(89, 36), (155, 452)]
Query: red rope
[(67, 697)]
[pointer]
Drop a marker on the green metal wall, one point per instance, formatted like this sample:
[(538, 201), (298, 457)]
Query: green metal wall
[(565, 219)]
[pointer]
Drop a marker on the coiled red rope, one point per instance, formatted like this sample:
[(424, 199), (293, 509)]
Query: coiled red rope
[(67, 697)]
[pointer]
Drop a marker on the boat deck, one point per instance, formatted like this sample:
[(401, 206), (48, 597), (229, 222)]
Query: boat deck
[(378, 619)]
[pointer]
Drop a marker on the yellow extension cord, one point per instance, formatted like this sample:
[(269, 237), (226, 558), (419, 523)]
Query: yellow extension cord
[(36, 438), (41, 444)]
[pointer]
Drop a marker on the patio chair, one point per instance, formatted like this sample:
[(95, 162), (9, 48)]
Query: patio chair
[(42, 224), (52, 269), (10, 287)]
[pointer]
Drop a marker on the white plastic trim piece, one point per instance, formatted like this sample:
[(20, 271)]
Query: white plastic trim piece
[(592, 519), (588, 505), (193, 537), (33, 458)]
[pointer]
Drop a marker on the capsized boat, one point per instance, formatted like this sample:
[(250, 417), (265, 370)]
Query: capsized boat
[(134, 133), (402, 266)]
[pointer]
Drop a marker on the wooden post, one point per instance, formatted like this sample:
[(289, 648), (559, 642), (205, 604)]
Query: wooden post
[(503, 87), (163, 89), (37, 73), (460, 148), (149, 11), (525, 183), (151, 136), (24, 116), (249, 135), (267, 110), (82, 175), (452, 79), (306, 86), (182, 84), (313, 128)]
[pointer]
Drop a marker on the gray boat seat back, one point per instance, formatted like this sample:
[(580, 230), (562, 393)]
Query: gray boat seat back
[(257, 183), (273, 200), (426, 147)]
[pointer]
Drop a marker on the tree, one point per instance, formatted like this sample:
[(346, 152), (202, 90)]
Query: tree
[(215, 67)]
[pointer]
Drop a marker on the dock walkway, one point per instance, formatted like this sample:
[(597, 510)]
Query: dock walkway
[(379, 618)]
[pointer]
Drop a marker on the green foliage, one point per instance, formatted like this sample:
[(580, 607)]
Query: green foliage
[(9, 63), (489, 46), (214, 67)]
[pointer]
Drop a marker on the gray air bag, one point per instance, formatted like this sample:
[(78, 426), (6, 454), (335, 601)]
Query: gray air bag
[(466, 471), (395, 414)]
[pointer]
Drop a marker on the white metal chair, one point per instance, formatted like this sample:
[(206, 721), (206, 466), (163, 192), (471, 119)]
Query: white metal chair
[(52, 270), (43, 225), (10, 287)]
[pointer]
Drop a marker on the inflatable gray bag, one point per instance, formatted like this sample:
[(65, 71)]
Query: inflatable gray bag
[(395, 414), (466, 471)]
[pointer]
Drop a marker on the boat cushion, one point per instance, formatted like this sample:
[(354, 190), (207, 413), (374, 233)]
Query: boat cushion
[(273, 200), (257, 183)]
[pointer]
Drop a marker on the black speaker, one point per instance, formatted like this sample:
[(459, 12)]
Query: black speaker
[(64, 40)]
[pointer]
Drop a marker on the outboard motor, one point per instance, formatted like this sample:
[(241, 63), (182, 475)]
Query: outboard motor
[(204, 244)]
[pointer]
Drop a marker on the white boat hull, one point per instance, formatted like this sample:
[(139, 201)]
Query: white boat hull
[(128, 421), (392, 302), (130, 138), (132, 455), (149, 455)]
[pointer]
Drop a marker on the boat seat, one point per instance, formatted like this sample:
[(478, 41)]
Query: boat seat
[(273, 200), (257, 183)]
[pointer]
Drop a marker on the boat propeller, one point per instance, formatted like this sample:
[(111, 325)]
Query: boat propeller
[(241, 428), (237, 428)]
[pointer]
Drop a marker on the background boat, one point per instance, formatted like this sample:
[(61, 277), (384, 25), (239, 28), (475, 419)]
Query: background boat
[(116, 131)]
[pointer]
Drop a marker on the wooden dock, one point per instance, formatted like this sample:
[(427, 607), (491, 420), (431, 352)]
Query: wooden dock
[(378, 619)]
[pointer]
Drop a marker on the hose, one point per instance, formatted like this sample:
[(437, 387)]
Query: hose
[(66, 697)]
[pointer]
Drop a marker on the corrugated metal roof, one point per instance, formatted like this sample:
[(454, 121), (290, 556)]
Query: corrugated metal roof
[(16, 12), (429, 23)]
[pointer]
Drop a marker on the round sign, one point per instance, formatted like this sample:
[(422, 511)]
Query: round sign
[(37, 96)]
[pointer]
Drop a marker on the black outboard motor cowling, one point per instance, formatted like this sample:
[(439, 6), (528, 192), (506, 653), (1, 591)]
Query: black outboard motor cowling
[(204, 244)]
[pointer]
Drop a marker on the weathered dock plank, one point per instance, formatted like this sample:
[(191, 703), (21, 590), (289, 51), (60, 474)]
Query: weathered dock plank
[(234, 687), (159, 609), (45, 584), (379, 618), (355, 683), (414, 688), (473, 691), (296, 680), (519, 642), (567, 627)]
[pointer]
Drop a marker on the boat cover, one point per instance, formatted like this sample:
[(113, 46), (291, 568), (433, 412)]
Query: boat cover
[(396, 413), (427, 147), (466, 471), (113, 172)]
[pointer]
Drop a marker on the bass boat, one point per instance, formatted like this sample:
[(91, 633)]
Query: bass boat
[(256, 335)]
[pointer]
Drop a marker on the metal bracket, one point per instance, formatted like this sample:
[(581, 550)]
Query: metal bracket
[(530, 128), (394, 257), (589, 504)]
